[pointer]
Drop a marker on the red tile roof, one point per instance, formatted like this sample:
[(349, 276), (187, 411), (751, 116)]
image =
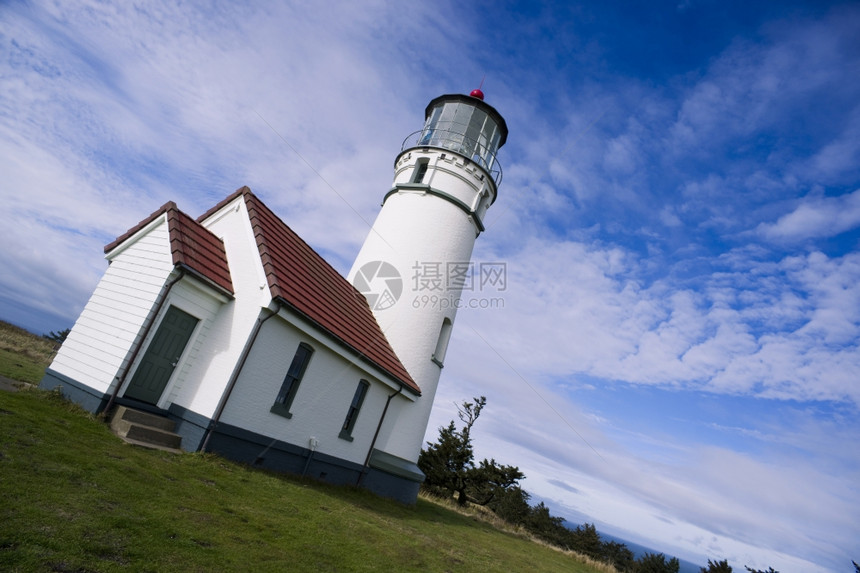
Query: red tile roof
[(303, 281), (193, 247)]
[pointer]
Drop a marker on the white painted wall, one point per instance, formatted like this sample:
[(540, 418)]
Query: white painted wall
[(229, 330), (323, 397), (111, 321)]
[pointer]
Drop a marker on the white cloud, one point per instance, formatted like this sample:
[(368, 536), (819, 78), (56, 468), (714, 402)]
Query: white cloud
[(713, 337), (814, 218), (118, 109)]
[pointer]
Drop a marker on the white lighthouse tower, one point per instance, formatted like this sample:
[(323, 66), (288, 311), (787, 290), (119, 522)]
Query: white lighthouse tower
[(416, 260)]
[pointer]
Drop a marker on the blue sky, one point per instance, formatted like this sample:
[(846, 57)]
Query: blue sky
[(677, 353)]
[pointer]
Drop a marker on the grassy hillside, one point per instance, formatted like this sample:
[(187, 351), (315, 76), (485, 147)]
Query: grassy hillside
[(76, 498)]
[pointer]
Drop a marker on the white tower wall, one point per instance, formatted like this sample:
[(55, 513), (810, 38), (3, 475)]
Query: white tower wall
[(419, 234), (444, 182)]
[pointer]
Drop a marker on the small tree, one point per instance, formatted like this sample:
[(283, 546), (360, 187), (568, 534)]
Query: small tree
[(717, 567), (449, 466), (618, 555), (58, 337), (585, 539), (656, 563), (489, 480), (445, 463), (512, 505), (548, 527)]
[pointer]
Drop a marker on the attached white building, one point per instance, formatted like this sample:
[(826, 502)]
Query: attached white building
[(234, 328)]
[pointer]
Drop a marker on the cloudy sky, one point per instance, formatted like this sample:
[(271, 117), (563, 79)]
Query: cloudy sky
[(676, 357)]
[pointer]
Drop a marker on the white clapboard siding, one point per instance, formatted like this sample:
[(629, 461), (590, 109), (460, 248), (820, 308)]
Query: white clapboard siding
[(100, 340)]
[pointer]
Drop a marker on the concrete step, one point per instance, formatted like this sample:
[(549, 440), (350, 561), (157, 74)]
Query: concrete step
[(145, 429), (143, 418)]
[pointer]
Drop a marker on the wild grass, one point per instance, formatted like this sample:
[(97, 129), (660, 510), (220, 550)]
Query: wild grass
[(486, 515), (24, 355)]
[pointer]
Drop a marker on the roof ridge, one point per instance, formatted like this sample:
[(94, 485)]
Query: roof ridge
[(198, 248), (243, 190), (146, 221), (250, 193), (191, 245)]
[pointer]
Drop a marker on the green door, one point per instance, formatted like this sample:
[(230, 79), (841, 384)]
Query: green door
[(161, 357)]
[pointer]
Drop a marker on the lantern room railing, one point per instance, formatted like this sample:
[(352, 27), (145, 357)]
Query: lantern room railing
[(457, 142)]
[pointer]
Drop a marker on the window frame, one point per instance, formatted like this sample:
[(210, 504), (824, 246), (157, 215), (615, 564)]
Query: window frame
[(292, 380), (438, 357), (420, 171), (354, 410)]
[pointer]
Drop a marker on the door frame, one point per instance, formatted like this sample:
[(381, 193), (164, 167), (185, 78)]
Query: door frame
[(183, 358)]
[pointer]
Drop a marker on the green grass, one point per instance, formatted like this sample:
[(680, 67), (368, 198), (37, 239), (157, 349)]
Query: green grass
[(77, 498), (17, 367)]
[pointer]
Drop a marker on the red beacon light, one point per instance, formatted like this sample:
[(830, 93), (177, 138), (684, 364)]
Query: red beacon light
[(478, 94)]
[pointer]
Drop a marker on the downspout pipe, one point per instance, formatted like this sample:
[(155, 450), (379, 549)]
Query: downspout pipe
[(376, 435), (313, 447), (234, 378), (139, 345)]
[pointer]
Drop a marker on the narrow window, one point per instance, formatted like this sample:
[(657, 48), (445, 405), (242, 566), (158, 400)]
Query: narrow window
[(420, 170), (290, 385), (442, 344), (354, 407)]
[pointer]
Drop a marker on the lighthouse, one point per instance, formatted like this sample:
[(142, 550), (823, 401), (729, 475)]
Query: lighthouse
[(416, 260)]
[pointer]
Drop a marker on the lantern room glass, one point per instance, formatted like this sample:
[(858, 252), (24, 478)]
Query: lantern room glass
[(464, 129)]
